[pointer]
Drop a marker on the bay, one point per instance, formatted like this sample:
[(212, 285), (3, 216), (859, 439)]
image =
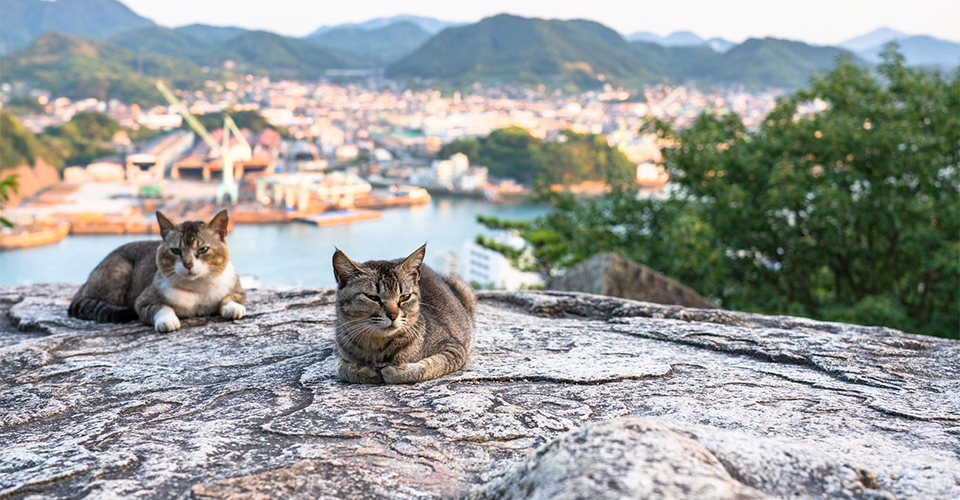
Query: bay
[(294, 253)]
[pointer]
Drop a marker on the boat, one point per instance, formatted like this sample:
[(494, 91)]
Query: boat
[(33, 235), (340, 217)]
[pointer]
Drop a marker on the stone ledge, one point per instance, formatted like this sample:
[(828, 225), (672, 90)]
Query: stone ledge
[(251, 409)]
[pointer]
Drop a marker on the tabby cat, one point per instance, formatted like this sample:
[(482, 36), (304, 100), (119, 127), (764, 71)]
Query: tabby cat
[(399, 322), (186, 274)]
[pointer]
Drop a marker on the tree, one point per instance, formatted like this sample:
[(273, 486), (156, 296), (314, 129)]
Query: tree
[(514, 152), (849, 213)]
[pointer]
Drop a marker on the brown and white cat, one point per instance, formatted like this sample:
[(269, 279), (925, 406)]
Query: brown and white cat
[(186, 274), (399, 322)]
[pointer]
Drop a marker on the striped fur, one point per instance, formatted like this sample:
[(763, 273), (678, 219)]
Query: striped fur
[(400, 322)]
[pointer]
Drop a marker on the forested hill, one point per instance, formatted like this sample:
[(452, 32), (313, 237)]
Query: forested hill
[(517, 49), (23, 21)]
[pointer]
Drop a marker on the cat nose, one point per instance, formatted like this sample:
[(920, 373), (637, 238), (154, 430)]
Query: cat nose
[(393, 315), (188, 265)]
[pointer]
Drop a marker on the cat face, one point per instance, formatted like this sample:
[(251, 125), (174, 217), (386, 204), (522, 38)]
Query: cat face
[(377, 298), (193, 250)]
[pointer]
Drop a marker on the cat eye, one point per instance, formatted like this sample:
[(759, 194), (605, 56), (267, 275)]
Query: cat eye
[(176, 251), (202, 250), (373, 297), (405, 297)]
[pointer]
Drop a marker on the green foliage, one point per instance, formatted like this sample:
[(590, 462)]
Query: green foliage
[(8, 185), (24, 105), (19, 146), (513, 152), (79, 68), (849, 214), (82, 139), (248, 119)]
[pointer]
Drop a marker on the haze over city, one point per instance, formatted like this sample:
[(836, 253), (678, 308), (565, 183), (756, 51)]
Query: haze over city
[(821, 22)]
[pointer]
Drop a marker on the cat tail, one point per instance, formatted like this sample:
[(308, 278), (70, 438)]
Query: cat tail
[(101, 311)]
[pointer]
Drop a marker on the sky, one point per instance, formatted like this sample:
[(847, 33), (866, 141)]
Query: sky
[(819, 22)]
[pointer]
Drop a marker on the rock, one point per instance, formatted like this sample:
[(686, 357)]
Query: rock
[(734, 404), (627, 458), (611, 275)]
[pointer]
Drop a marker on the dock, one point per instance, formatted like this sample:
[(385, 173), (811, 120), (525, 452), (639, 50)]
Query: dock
[(340, 217)]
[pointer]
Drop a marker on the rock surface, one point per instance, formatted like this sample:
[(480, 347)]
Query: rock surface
[(744, 405), (611, 275)]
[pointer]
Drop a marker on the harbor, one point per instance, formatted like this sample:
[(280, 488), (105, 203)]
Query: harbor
[(285, 253)]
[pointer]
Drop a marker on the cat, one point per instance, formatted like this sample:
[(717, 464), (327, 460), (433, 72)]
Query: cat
[(399, 322), (186, 274)]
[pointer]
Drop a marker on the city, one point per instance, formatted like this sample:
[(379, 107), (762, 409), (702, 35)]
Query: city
[(383, 139)]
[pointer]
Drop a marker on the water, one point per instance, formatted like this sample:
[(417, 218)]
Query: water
[(292, 253)]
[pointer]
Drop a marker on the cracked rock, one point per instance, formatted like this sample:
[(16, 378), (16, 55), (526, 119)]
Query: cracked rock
[(710, 401)]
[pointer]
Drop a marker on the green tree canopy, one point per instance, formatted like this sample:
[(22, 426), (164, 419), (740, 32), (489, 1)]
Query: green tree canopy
[(850, 213), (514, 152), (18, 145)]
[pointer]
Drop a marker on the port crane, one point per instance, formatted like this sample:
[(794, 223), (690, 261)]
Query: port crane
[(228, 185)]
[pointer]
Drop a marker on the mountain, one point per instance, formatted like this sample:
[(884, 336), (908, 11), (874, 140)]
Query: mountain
[(873, 39), (428, 24), (918, 50), (78, 67), (719, 45), (211, 34), (284, 57), (388, 44), (512, 48), (771, 62), (644, 36), (515, 49), (923, 50), (682, 39), (250, 51), (163, 41), (23, 21)]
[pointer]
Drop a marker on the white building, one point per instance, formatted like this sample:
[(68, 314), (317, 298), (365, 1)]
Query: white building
[(492, 270)]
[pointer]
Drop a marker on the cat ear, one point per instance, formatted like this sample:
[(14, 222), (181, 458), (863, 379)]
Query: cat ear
[(414, 261), (219, 224), (343, 267), (166, 225)]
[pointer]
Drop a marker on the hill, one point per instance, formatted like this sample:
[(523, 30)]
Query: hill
[(158, 40), (511, 48), (771, 62), (211, 34), (428, 24), (516, 49), (920, 50), (284, 57), (77, 67), (23, 21), (873, 39), (250, 51), (387, 44)]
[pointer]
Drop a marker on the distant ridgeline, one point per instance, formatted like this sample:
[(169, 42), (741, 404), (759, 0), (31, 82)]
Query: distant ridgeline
[(102, 49)]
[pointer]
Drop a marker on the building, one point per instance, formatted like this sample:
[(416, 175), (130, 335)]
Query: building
[(490, 269), (296, 191), (157, 157)]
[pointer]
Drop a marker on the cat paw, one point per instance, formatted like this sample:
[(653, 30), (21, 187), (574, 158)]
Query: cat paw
[(405, 373), (357, 373), (165, 320), (233, 310)]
